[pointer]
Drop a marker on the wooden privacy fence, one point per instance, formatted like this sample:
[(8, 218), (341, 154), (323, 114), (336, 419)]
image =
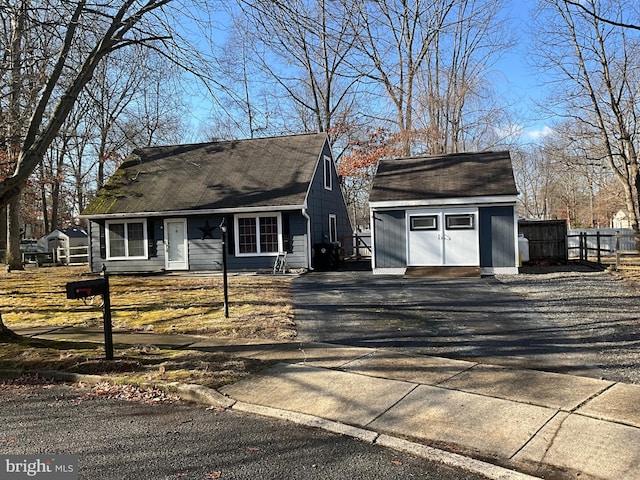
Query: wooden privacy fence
[(547, 239)]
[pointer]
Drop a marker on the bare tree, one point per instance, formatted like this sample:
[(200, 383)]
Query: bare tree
[(587, 8), (155, 115), (597, 74), (395, 39), (111, 91), (305, 47), (534, 178), (454, 103), (82, 34)]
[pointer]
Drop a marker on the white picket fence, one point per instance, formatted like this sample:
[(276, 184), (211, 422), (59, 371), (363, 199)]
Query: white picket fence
[(72, 255)]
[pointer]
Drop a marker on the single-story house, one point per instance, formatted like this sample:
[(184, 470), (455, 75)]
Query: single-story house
[(67, 245), (456, 210), (164, 208)]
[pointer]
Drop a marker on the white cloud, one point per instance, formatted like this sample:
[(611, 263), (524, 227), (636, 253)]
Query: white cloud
[(509, 131), (538, 134)]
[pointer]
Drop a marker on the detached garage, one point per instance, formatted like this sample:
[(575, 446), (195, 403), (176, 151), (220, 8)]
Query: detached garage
[(456, 210)]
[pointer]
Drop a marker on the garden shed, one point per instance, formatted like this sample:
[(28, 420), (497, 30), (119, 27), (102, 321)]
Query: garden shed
[(67, 245), (456, 210)]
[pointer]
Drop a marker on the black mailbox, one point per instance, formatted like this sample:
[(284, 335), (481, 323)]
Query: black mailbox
[(86, 288)]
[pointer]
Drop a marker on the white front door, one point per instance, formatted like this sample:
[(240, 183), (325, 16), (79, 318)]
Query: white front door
[(176, 246), (443, 237)]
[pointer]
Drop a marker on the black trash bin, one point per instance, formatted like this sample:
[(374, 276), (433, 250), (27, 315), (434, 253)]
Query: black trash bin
[(326, 256)]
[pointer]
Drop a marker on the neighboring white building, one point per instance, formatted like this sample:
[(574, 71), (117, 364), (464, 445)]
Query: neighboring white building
[(620, 220), (68, 245)]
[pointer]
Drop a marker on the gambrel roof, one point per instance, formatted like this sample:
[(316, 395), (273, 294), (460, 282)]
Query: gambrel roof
[(482, 174), (227, 175)]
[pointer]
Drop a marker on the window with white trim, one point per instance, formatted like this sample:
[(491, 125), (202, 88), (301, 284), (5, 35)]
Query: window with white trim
[(424, 222), (328, 184), (258, 234), (126, 239), (333, 228), (460, 222)]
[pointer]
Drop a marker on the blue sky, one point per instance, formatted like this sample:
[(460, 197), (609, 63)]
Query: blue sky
[(523, 85), (515, 80)]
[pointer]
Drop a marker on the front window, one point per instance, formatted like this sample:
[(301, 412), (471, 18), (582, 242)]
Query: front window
[(258, 234), (268, 234), (247, 235), (126, 239)]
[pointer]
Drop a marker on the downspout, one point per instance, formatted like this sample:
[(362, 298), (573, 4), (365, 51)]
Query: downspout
[(306, 215), (373, 243), (90, 246)]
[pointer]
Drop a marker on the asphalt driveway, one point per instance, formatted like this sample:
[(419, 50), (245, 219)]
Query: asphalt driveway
[(477, 319)]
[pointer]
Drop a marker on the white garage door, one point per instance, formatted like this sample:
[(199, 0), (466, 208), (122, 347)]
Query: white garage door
[(443, 237)]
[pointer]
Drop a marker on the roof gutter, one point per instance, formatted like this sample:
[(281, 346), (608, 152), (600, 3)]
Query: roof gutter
[(182, 213), (436, 202)]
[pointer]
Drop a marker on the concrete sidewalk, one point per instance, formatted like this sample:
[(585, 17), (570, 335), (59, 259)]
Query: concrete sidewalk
[(544, 424)]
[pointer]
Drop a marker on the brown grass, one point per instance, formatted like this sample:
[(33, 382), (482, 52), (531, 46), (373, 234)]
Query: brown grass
[(259, 306), (134, 365)]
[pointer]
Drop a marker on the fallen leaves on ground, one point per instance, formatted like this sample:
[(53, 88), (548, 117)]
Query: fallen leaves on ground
[(129, 393)]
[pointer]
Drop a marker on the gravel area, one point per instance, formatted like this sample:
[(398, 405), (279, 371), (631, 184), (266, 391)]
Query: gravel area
[(570, 319), (599, 310)]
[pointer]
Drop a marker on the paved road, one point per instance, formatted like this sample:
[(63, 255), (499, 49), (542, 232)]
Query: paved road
[(118, 439), (467, 318)]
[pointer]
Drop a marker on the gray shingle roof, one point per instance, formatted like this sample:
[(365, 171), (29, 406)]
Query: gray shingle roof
[(219, 175), (74, 232), (444, 176)]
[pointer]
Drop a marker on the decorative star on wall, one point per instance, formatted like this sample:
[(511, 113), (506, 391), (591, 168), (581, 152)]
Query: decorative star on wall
[(207, 230)]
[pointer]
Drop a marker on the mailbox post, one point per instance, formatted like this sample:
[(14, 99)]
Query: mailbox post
[(106, 315), (225, 285), (91, 288)]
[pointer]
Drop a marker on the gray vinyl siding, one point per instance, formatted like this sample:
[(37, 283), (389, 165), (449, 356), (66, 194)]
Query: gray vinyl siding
[(297, 254), (322, 202), (204, 253), (390, 236), (497, 241)]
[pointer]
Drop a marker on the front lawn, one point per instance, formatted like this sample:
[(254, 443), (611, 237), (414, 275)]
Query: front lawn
[(259, 305), (259, 308)]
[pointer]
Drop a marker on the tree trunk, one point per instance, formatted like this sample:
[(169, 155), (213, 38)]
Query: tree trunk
[(43, 198), (6, 334), (13, 257)]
